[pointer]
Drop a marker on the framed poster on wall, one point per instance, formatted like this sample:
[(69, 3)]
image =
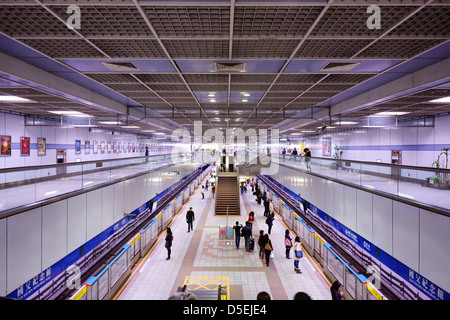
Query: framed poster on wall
[(24, 146), (87, 146), (102, 146), (5, 145), (108, 148), (120, 147), (41, 146), (114, 147), (95, 150), (77, 146), (326, 146)]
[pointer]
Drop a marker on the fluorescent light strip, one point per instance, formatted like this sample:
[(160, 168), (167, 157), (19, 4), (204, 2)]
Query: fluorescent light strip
[(13, 99)]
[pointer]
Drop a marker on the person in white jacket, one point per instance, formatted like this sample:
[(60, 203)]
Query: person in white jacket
[(271, 207), (297, 248)]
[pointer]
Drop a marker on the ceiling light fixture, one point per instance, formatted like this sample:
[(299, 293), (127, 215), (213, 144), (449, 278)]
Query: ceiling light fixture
[(69, 113), (345, 122), (130, 127), (211, 95), (244, 100), (441, 100), (391, 113), (13, 99), (110, 122), (212, 100)]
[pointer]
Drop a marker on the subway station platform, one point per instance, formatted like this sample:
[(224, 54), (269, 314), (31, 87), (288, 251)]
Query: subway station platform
[(201, 259)]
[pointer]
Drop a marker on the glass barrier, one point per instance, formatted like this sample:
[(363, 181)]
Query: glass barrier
[(27, 185), (429, 186)]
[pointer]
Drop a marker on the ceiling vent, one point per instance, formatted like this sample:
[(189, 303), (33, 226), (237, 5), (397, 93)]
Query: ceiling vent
[(121, 66), (339, 66), (229, 66)]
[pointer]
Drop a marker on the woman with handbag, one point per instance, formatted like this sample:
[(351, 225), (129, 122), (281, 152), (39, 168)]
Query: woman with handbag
[(267, 248), (298, 254)]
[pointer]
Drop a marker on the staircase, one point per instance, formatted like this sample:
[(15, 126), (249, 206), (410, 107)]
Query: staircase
[(227, 194)]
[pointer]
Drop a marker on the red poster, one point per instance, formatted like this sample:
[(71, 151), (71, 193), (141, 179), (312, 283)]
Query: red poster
[(24, 146)]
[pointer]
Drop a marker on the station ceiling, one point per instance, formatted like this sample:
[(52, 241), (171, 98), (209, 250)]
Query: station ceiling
[(288, 65)]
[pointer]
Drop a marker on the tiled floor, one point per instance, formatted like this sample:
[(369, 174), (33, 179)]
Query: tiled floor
[(203, 253)]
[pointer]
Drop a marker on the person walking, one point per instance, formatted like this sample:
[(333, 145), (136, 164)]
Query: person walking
[(298, 254), (213, 190), (251, 219), (267, 248), (237, 233), (269, 221), (287, 243), (307, 158), (246, 232), (190, 217), (261, 244), (168, 245)]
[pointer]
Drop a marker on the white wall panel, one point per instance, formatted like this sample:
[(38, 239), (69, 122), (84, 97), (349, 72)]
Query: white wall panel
[(349, 207), (23, 251), (338, 201), (107, 206), (128, 196), (118, 201), (405, 231), (328, 205), (364, 214), (54, 233), (76, 218), (94, 213), (382, 223), (434, 248)]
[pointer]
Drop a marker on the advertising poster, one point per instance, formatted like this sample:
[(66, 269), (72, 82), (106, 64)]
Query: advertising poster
[(108, 146), (24, 146), (87, 146), (42, 146), (102, 147), (95, 150), (5, 145), (114, 147), (120, 147), (326, 146), (77, 146)]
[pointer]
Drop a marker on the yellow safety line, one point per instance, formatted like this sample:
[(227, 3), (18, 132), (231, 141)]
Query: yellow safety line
[(293, 234), (153, 246), (189, 280)]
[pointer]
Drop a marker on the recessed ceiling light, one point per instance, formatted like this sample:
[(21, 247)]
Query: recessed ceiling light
[(307, 131), (391, 113), (244, 100), (212, 100), (441, 100), (130, 127), (110, 122), (327, 127), (211, 95), (246, 94), (13, 99), (69, 113), (346, 122)]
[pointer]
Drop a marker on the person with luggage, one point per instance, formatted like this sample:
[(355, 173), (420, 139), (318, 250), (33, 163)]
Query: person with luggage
[(298, 254), (246, 232), (190, 217), (237, 233), (268, 248)]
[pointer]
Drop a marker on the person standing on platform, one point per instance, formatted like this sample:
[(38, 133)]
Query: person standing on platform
[(237, 233), (213, 190), (271, 211), (307, 158), (246, 232), (201, 191), (287, 243), (169, 239), (269, 222), (335, 293), (266, 207), (251, 219), (261, 244), (298, 254), (190, 217), (268, 248)]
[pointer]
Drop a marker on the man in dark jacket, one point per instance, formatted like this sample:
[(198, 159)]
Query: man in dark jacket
[(190, 219), (237, 233), (246, 232)]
